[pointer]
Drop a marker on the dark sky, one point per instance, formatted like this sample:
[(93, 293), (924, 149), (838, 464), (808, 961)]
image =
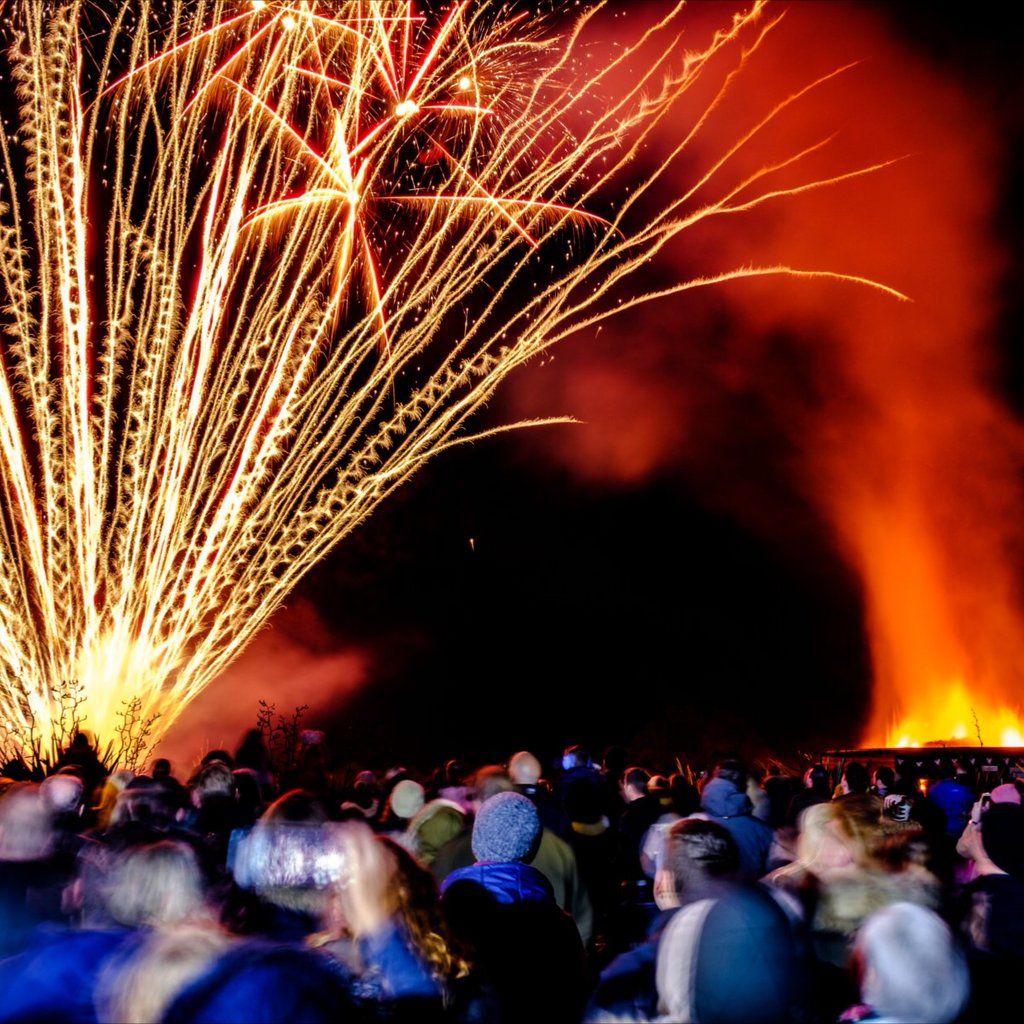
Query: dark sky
[(508, 601), (509, 604)]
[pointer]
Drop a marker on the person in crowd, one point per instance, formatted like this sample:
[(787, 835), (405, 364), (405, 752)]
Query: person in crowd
[(952, 798), (855, 781), (554, 858), (854, 863), (596, 847), (728, 956), (109, 792), (252, 753), (762, 808), (163, 775), (613, 767), (503, 913), (64, 796), (643, 809), (993, 912), (701, 858), (82, 758), (578, 767), (433, 827), (683, 802), (405, 801), (453, 784), (457, 852), (724, 800), (249, 797), (816, 856), (365, 798), (910, 967), (27, 845), (384, 927), (883, 781), (816, 791), (139, 986), (780, 789), (119, 895), (525, 772), (157, 884), (214, 815), (217, 755), (267, 984), (275, 867)]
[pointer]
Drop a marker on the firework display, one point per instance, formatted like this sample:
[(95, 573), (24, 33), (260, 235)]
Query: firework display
[(259, 262)]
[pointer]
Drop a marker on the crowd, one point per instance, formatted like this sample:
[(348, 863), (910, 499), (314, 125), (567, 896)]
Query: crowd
[(582, 892)]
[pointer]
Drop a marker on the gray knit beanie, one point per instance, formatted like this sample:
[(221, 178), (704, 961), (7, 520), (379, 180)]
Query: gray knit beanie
[(506, 829)]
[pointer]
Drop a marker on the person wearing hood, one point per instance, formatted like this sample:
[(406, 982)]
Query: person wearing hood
[(503, 912), (406, 800), (725, 801), (433, 826)]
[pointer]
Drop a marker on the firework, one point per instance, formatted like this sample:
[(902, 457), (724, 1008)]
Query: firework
[(260, 262)]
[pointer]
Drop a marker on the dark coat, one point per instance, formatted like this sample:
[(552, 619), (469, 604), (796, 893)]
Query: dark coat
[(733, 809), (528, 949)]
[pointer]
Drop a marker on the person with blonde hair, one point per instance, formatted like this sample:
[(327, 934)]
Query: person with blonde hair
[(120, 895), (140, 988), (847, 871), (822, 851), (384, 924), (113, 786), (156, 885)]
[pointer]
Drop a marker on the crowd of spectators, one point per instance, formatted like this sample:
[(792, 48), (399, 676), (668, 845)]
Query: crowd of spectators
[(518, 892)]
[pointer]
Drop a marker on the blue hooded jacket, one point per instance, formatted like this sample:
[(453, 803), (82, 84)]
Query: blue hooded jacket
[(507, 882), (733, 809)]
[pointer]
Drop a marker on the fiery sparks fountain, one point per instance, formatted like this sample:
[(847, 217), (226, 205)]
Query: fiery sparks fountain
[(260, 262)]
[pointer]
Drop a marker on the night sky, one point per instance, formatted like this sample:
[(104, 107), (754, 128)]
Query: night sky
[(513, 596)]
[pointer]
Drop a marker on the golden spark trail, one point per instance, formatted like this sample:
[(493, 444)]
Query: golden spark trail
[(259, 262)]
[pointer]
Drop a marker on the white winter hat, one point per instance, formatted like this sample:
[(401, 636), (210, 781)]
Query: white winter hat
[(407, 798)]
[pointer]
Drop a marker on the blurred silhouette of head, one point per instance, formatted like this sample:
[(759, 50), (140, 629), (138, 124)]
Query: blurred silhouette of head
[(524, 769)]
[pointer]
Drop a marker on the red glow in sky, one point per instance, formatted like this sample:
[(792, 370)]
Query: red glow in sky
[(893, 428)]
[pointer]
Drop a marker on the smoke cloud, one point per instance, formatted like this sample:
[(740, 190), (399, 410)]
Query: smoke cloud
[(887, 413)]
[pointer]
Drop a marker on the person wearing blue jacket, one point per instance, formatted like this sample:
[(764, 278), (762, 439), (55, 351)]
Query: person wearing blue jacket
[(723, 799), (503, 912)]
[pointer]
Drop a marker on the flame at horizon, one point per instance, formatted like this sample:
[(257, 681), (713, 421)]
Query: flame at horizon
[(899, 438)]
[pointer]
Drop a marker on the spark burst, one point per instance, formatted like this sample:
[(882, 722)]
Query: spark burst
[(260, 262)]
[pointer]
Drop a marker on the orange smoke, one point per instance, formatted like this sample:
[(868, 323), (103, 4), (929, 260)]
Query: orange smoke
[(901, 440), (294, 661)]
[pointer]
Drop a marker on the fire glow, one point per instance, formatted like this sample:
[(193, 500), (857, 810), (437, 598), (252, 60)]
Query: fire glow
[(261, 266), (901, 446)]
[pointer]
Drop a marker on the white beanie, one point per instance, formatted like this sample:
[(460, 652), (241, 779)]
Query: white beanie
[(407, 798)]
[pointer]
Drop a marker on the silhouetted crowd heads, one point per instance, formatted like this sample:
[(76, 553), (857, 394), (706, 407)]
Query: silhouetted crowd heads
[(563, 891)]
